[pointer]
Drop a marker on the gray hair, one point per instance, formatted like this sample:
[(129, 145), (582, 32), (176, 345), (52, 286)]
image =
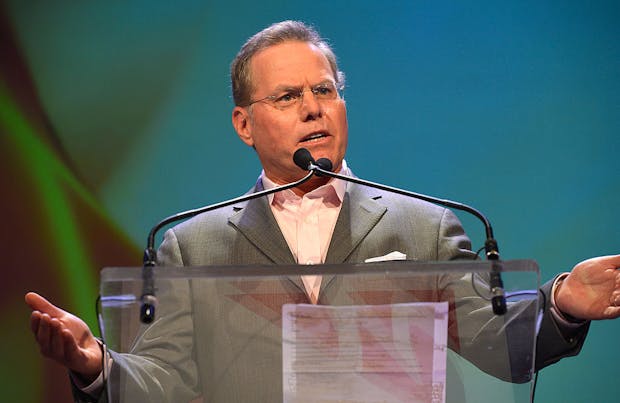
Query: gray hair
[(240, 72)]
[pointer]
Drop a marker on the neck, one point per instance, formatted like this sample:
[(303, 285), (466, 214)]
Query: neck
[(314, 183), (308, 186)]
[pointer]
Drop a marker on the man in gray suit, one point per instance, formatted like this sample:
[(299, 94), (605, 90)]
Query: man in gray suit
[(286, 87)]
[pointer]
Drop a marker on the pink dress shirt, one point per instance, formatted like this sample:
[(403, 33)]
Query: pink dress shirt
[(307, 223)]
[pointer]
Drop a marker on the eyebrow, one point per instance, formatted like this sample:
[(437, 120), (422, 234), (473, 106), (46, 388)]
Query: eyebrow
[(287, 87)]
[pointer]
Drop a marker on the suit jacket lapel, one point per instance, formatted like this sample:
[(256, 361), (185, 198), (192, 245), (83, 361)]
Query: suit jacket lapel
[(358, 216), (256, 222)]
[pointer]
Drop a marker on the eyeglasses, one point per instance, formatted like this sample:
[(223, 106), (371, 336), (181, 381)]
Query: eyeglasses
[(289, 97)]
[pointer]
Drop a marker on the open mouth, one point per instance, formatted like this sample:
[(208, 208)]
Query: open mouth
[(313, 137)]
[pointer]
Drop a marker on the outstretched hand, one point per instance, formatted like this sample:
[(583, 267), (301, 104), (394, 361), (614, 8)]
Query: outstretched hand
[(592, 289), (64, 338)]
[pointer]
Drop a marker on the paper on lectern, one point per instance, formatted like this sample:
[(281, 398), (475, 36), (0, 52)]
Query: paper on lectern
[(368, 353)]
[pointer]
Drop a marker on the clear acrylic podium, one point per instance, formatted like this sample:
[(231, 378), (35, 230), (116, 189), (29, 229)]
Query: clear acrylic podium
[(217, 335)]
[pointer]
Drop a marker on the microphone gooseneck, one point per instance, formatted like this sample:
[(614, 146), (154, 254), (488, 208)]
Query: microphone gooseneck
[(323, 167)]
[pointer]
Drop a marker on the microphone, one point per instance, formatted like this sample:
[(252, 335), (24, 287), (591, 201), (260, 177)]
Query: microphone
[(323, 167), (325, 164), (148, 299), (304, 160)]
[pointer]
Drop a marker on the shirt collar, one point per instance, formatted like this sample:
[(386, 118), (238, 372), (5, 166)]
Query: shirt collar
[(339, 186)]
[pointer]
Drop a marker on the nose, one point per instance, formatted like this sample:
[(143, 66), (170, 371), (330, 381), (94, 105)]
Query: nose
[(310, 108)]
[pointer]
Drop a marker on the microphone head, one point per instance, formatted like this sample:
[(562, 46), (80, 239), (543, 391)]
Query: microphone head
[(325, 164), (303, 159)]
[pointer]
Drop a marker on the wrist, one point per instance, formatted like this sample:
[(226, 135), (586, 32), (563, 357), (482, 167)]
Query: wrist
[(555, 292), (89, 375)]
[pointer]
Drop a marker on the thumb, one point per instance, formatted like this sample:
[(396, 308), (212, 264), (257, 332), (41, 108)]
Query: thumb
[(38, 303), (613, 260)]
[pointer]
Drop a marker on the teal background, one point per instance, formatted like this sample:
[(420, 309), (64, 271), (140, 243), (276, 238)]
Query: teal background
[(512, 107)]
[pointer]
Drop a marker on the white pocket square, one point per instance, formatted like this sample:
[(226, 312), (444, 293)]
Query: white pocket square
[(390, 256)]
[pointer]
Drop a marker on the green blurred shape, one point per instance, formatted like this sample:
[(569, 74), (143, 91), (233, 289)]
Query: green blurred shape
[(53, 181)]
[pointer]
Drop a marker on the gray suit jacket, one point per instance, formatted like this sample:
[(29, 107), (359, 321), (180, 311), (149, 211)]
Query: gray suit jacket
[(173, 361)]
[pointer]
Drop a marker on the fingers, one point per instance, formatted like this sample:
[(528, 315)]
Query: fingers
[(611, 312), (614, 299), (58, 343), (54, 339), (49, 336), (57, 340), (47, 329), (35, 319)]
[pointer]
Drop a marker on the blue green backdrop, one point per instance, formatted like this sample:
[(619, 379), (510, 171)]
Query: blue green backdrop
[(115, 114)]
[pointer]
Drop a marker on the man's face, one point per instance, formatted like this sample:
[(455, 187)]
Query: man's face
[(318, 125)]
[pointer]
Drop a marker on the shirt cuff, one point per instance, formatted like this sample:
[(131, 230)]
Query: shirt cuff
[(559, 316)]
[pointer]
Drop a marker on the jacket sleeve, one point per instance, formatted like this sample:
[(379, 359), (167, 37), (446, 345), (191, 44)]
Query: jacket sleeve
[(494, 343), (160, 366)]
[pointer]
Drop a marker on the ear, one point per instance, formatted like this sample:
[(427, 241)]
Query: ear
[(243, 126)]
